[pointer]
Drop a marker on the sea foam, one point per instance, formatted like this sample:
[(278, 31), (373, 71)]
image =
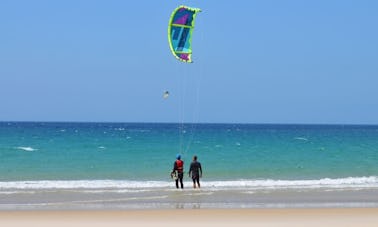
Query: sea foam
[(337, 183), (349, 182), (26, 148)]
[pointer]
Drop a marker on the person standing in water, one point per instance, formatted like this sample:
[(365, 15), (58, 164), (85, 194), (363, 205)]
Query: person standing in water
[(178, 169), (195, 172)]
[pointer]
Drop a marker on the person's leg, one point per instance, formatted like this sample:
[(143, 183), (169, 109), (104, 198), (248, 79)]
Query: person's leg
[(198, 183), (182, 184), (177, 186), (182, 177), (194, 182)]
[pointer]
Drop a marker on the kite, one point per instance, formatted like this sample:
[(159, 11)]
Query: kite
[(166, 94), (180, 29)]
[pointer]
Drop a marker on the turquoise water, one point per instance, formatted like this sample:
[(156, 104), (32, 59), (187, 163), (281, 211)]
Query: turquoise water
[(141, 152), (127, 165)]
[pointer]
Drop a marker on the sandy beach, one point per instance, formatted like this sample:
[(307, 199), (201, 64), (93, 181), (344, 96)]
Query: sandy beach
[(195, 217)]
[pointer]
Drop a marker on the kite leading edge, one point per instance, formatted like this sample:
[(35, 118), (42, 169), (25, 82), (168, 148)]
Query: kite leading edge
[(180, 29)]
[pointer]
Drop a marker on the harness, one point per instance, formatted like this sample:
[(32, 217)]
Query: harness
[(180, 166)]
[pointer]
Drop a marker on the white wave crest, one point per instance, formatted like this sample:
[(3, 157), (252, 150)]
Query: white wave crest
[(349, 182), (301, 138), (26, 148), (82, 184)]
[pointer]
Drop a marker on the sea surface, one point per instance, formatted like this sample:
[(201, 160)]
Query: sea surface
[(46, 165)]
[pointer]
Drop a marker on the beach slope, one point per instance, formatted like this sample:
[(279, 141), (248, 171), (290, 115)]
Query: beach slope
[(194, 217)]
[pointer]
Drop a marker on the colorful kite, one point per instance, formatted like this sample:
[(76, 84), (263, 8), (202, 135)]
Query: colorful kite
[(180, 29)]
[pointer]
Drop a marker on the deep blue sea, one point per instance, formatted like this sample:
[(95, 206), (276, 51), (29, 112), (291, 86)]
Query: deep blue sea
[(265, 154)]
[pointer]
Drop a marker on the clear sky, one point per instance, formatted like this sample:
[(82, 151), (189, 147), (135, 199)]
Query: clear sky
[(254, 62)]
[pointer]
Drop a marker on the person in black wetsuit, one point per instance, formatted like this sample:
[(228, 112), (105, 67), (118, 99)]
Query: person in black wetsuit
[(195, 172), (178, 169)]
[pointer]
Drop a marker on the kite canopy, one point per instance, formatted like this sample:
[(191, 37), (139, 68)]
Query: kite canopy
[(180, 29), (166, 94)]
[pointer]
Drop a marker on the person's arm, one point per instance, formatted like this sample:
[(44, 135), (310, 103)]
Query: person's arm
[(200, 168), (190, 169), (174, 167)]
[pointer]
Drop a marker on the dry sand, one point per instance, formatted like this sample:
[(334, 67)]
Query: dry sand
[(194, 217)]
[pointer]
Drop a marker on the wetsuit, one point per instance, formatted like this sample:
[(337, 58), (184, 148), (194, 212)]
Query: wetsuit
[(179, 167), (196, 171)]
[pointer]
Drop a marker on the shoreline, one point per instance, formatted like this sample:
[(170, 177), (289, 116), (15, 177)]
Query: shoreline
[(205, 198), (190, 217)]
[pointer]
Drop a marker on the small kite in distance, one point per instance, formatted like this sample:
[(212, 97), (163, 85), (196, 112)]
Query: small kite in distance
[(166, 94)]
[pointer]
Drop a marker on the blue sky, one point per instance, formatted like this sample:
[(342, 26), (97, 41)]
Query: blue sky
[(254, 62)]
